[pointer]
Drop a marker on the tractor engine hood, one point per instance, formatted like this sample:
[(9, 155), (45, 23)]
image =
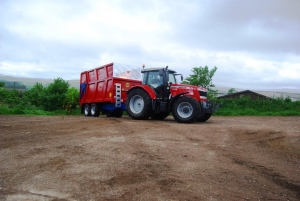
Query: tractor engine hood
[(188, 87), (198, 92)]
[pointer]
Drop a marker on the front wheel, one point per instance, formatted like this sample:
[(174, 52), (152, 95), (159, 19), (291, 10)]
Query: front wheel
[(186, 110), (204, 117), (138, 104)]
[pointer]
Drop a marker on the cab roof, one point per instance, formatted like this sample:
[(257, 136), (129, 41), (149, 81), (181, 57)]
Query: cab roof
[(156, 69)]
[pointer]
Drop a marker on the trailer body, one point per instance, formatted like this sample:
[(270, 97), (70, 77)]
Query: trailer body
[(107, 86)]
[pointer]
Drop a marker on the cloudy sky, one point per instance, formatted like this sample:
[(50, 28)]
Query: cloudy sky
[(254, 44)]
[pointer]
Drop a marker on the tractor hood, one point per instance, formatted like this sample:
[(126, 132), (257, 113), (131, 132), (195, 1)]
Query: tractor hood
[(198, 92), (188, 87)]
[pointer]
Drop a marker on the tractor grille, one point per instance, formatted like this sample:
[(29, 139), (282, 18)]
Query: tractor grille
[(202, 93)]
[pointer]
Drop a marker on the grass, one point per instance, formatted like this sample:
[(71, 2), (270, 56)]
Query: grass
[(243, 106), (5, 110)]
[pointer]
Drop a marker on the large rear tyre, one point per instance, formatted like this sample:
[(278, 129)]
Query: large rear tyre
[(186, 110), (160, 116), (138, 104), (204, 117), (95, 110), (86, 110)]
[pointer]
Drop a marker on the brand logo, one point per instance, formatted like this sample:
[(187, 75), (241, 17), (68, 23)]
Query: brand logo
[(127, 85)]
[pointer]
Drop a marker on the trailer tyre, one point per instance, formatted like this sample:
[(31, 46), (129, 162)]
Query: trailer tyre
[(108, 114), (86, 110), (186, 110), (95, 110), (204, 117), (138, 104), (118, 113)]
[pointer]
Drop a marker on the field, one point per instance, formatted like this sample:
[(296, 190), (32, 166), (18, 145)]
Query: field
[(79, 158)]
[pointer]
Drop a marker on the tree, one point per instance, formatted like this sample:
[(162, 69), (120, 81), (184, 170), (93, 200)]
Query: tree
[(2, 84), (13, 97), (3, 92), (202, 76), (72, 100), (231, 91), (35, 94), (55, 94)]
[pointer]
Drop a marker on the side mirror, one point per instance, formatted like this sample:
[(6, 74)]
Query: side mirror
[(181, 78)]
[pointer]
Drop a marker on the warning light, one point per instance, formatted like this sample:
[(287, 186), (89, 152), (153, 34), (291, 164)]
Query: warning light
[(143, 65)]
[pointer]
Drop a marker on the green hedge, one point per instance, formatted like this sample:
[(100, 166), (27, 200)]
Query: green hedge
[(259, 107)]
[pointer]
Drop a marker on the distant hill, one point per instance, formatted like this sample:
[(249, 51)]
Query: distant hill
[(30, 82)]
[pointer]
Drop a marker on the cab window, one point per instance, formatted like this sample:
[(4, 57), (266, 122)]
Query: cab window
[(154, 79), (172, 78)]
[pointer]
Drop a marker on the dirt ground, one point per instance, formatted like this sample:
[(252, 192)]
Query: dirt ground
[(85, 158)]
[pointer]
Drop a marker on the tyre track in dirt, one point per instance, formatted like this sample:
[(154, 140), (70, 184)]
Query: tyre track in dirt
[(80, 158), (268, 139)]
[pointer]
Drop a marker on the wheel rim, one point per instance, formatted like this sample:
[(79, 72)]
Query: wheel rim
[(185, 110), (93, 110), (86, 110), (136, 104)]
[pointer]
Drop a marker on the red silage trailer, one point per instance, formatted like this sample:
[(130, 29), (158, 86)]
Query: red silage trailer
[(104, 89), (114, 88)]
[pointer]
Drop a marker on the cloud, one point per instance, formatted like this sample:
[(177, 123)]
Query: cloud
[(240, 26), (253, 44)]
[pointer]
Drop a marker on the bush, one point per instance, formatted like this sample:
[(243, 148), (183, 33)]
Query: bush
[(71, 100), (267, 107), (55, 94), (35, 95)]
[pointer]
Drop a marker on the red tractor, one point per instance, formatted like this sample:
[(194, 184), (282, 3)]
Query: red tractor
[(155, 97)]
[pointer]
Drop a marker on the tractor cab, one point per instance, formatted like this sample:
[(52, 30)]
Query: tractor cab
[(159, 79)]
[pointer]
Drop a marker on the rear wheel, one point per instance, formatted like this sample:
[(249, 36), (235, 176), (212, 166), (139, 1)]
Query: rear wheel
[(160, 116), (186, 110), (95, 110), (138, 104), (86, 110), (204, 117)]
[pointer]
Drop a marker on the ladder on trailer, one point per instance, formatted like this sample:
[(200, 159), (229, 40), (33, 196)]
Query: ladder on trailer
[(118, 95)]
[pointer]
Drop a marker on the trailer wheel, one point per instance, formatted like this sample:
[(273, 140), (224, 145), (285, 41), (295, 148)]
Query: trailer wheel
[(204, 117), (95, 110), (87, 111), (160, 116), (118, 113), (138, 104), (186, 110), (108, 114)]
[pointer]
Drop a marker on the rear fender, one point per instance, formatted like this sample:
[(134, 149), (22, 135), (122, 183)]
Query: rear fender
[(148, 89)]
